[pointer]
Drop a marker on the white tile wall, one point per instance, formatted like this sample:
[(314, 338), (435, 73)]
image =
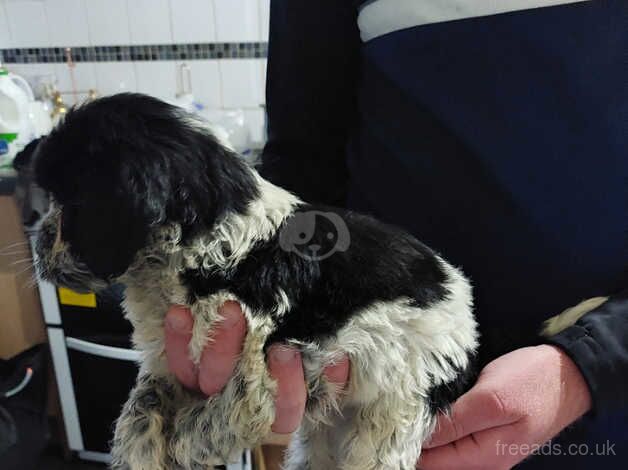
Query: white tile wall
[(27, 23), (206, 82), (237, 20), (157, 78), (256, 122), (193, 21), (115, 77), (241, 83), (39, 23), (67, 22), (149, 21), (226, 83), (108, 22), (229, 83), (31, 70), (5, 35), (264, 18), (263, 64), (84, 76)]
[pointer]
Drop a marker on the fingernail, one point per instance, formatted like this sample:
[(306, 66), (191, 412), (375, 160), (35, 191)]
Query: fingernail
[(177, 323), (230, 312), (230, 317), (282, 354)]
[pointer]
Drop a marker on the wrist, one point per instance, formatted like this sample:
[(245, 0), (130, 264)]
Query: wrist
[(575, 393)]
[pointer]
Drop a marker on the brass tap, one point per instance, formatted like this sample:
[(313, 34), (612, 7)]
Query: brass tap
[(58, 106)]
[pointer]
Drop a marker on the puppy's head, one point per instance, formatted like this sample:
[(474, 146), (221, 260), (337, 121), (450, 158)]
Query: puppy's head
[(117, 169)]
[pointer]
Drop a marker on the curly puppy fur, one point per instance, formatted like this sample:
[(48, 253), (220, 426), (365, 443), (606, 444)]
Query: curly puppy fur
[(143, 194)]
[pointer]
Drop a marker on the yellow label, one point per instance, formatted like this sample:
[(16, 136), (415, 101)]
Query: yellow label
[(69, 297)]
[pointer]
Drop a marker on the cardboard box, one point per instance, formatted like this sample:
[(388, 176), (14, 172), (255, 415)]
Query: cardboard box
[(268, 457), (21, 320)]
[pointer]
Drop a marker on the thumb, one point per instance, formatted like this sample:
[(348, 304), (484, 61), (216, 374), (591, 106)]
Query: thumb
[(477, 410)]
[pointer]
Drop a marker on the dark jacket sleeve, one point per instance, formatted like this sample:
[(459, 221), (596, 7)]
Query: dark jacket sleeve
[(598, 344), (310, 96)]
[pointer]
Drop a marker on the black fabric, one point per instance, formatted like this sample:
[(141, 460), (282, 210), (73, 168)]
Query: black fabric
[(313, 65), (8, 431), (499, 141), (24, 416), (598, 343)]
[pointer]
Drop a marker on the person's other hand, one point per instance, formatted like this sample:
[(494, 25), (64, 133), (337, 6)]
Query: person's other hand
[(220, 356), (521, 400)]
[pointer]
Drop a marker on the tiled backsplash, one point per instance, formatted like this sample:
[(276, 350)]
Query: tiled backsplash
[(138, 45), (227, 50), (62, 23)]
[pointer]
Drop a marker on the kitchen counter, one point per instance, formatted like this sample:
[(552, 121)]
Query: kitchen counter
[(7, 182)]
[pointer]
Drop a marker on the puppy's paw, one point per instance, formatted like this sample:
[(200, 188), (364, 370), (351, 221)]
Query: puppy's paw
[(139, 443), (217, 430), (140, 438), (193, 444)]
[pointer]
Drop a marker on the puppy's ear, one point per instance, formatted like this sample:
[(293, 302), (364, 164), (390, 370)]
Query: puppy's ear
[(107, 208), (105, 231), (24, 157)]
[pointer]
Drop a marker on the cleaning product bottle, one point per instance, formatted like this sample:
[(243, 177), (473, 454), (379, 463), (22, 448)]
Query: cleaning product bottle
[(14, 103)]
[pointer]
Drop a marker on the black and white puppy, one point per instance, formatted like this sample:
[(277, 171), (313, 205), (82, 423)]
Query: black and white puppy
[(143, 194)]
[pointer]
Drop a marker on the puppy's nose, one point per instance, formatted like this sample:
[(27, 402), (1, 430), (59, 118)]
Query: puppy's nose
[(314, 247)]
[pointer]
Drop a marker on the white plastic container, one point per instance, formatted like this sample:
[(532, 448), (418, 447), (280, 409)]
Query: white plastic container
[(14, 114)]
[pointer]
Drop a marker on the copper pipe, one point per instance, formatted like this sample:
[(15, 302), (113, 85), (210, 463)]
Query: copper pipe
[(71, 65)]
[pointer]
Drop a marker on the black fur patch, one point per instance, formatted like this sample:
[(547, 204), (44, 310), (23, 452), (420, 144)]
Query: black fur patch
[(380, 263), (123, 164), (441, 397)]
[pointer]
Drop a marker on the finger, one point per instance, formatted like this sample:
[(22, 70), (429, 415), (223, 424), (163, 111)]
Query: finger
[(286, 368), (489, 449), (338, 372), (178, 332), (220, 356), (476, 410)]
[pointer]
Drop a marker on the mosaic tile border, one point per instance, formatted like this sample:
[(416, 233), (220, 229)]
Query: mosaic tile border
[(222, 50)]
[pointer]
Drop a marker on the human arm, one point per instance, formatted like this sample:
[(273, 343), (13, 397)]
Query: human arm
[(313, 64), (526, 397), (598, 344), (520, 400)]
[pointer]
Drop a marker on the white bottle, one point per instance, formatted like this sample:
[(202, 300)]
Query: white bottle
[(14, 110)]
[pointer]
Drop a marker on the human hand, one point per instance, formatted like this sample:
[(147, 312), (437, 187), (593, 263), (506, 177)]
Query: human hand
[(520, 400), (221, 355)]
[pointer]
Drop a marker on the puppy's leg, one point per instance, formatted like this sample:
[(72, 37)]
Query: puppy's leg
[(313, 445), (217, 429), (400, 355), (309, 449), (384, 434), (140, 438), (387, 434), (374, 424)]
